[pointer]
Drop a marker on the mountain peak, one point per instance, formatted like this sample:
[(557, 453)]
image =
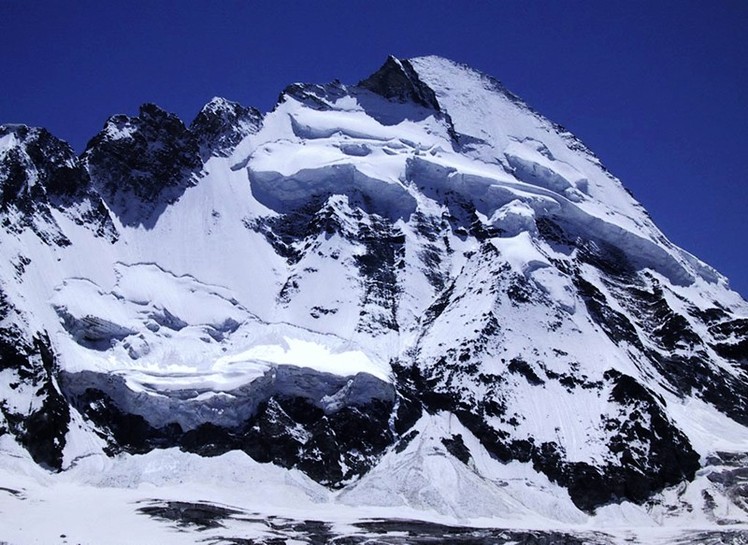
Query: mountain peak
[(219, 104), (14, 128), (140, 164), (221, 124), (153, 112), (40, 175), (397, 80), (31, 156)]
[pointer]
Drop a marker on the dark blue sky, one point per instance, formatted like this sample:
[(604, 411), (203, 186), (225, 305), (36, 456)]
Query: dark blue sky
[(659, 90)]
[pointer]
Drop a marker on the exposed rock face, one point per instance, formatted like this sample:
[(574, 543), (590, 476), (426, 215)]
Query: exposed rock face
[(36, 413), (142, 164), (36, 167), (222, 124), (397, 80), (40, 173), (412, 276), (332, 428)]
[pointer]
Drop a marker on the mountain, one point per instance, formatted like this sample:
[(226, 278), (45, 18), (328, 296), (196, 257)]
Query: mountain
[(407, 307)]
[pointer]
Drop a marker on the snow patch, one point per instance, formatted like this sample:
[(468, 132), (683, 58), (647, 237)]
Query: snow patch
[(305, 353), (287, 193)]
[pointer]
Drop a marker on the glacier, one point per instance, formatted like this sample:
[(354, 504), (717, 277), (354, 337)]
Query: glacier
[(405, 310)]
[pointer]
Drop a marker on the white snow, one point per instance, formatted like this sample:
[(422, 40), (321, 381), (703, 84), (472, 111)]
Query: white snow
[(289, 351)]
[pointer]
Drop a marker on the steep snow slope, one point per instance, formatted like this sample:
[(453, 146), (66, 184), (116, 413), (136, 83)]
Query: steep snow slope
[(415, 291)]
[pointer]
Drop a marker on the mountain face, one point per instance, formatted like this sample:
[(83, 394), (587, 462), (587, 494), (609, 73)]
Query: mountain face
[(414, 292)]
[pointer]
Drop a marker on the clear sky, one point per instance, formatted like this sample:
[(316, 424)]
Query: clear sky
[(658, 89)]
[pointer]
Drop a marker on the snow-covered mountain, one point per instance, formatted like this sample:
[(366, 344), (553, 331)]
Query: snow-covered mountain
[(413, 297)]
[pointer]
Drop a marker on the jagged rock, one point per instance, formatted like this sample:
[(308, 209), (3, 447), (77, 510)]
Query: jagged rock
[(38, 416), (39, 173), (142, 164), (397, 80), (222, 124)]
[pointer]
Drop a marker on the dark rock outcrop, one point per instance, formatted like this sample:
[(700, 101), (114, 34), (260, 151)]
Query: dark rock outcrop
[(140, 165), (221, 125), (397, 80), (39, 173), (331, 427)]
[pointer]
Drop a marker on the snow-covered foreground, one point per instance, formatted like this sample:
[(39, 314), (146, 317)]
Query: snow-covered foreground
[(173, 497), (196, 510)]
